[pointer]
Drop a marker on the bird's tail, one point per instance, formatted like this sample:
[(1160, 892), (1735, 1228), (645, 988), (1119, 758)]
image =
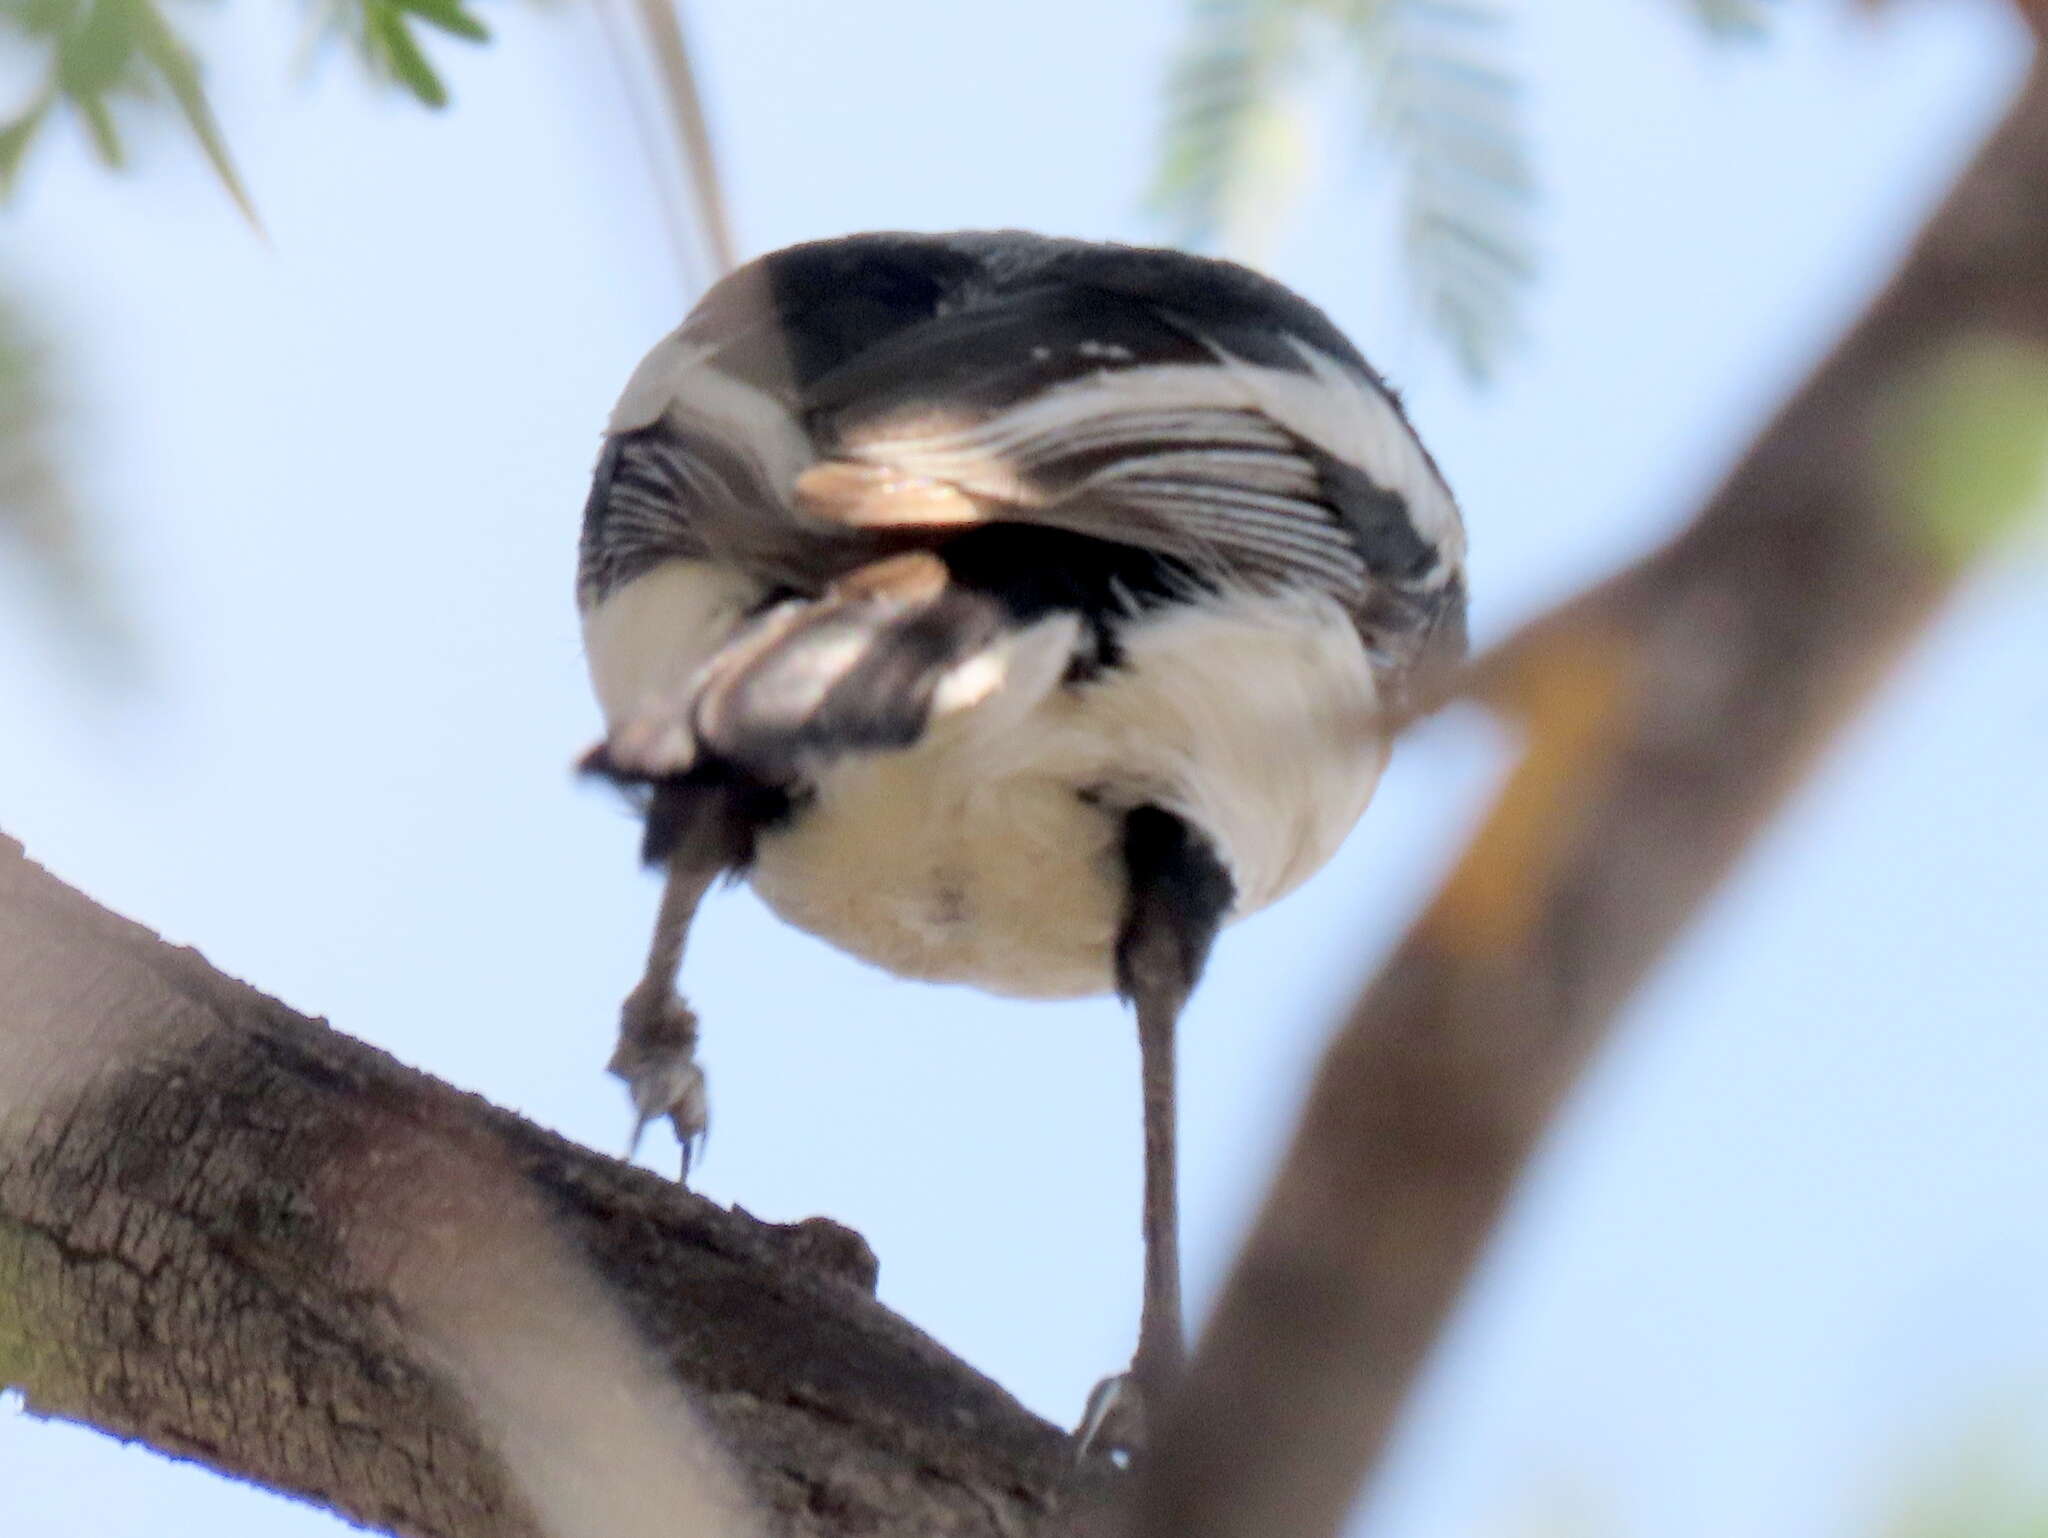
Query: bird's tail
[(863, 668)]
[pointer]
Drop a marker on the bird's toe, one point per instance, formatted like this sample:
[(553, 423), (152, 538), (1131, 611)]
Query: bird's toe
[(656, 1057), (1113, 1423)]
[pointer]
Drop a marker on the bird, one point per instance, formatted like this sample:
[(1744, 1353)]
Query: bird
[(1007, 610)]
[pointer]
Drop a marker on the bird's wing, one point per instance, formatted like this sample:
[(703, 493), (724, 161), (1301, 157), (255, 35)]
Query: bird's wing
[(1110, 417), (1225, 441), (840, 402)]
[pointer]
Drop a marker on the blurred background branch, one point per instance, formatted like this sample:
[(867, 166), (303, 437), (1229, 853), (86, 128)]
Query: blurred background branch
[(661, 23), (1662, 718)]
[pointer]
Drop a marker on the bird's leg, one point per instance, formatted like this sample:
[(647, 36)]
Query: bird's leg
[(657, 1049), (1179, 893), (1161, 1341), (697, 831)]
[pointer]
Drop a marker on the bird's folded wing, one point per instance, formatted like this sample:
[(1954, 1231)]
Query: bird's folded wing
[(1224, 428), (1110, 417)]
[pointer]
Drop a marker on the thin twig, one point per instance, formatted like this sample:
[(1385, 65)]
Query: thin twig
[(677, 215), (693, 131)]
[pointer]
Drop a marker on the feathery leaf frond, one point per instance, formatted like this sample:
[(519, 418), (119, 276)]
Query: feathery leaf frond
[(1439, 103), (1235, 69)]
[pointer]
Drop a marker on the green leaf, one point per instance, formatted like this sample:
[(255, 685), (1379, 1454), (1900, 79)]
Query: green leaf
[(401, 55), (382, 34), (100, 53), (99, 124), (15, 140), (180, 71), (1973, 445), (97, 55), (449, 16)]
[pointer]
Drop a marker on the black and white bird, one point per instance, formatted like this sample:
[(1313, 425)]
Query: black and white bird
[(1009, 611)]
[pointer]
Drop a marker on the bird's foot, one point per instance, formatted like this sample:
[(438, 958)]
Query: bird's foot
[(657, 1058), (1113, 1423)]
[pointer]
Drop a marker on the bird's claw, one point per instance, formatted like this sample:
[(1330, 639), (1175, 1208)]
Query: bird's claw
[(1113, 1421), (657, 1058), (689, 1117)]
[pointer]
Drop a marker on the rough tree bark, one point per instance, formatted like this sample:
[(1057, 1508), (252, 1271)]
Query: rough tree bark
[(1664, 715), (243, 1238)]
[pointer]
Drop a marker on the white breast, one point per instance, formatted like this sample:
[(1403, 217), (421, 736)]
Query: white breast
[(988, 853)]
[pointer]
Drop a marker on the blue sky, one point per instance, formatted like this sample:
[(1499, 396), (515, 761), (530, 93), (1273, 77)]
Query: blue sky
[(1784, 1243)]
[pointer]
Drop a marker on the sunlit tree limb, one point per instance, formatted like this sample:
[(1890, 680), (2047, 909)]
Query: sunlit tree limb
[(248, 1240)]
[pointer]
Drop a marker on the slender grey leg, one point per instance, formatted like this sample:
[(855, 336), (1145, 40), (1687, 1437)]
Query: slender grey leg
[(1161, 1339), (1179, 894), (698, 827)]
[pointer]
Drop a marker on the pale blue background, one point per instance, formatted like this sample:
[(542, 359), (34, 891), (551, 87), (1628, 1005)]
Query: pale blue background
[(1790, 1238)]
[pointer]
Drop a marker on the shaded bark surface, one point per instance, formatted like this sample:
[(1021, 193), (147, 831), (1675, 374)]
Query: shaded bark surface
[(194, 1247), (1665, 715)]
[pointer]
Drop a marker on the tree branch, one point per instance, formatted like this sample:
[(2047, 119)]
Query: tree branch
[(1665, 716), (246, 1239)]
